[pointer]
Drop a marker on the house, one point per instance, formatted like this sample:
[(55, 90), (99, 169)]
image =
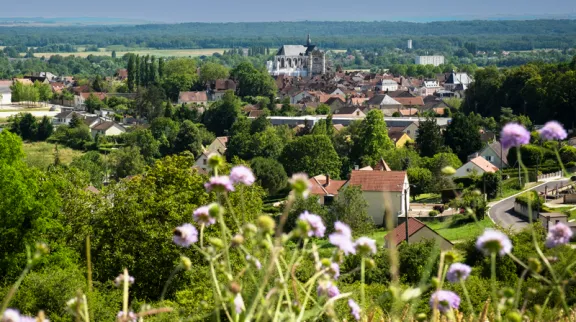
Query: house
[(417, 232), (416, 101), (358, 101), (386, 192), (493, 153), (81, 98), (550, 218), (412, 130), (387, 104), (298, 96), (429, 87), (478, 166), (218, 145), (200, 98), (335, 102), (107, 128), (217, 88), (338, 127), (386, 85), (399, 138), (57, 87), (349, 111), (65, 116), (453, 80), (382, 166), (5, 92), (92, 121), (325, 188), (121, 74)]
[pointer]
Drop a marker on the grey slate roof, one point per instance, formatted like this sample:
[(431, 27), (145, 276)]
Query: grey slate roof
[(458, 78), (292, 50), (382, 100)]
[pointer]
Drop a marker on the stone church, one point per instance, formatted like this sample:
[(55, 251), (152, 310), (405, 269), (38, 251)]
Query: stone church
[(298, 60)]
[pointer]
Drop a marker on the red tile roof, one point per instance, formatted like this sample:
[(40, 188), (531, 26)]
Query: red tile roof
[(399, 232), (484, 164), (193, 97), (319, 186), (410, 101), (100, 95), (385, 181)]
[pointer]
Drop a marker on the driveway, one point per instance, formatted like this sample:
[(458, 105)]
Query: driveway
[(502, 212)]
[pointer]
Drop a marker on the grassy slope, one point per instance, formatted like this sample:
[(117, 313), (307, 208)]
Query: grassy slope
[(41, 154), (461, 232)]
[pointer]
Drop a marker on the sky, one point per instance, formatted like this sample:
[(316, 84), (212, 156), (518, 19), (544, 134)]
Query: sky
[(289, 10)]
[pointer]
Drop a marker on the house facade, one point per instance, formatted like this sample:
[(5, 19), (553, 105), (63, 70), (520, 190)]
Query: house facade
[(107, 128), (495, 154), (386, 192), (200, 98), (478, 166), (325, 188)]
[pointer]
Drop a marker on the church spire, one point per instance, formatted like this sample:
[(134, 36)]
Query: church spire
[(308, 41)]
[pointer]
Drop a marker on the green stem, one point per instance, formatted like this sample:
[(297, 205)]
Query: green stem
[(564, 172), (467, 296), (170, 278), (493, 282), (202, 236), (363, 285), (125, 293), (519, 288), (238, 225), (303, 308), (218, 294), (224, 240), (14, 288)]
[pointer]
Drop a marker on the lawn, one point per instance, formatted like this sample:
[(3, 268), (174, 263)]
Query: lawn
[(41, 154), (428, 198), (466, 231)]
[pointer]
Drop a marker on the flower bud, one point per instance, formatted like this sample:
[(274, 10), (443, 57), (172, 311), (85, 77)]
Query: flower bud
[(534, 264), (250, 229), (451, 257), (435, 282), (42, 248), (266, 224), (300, 184), (186, 262), (215, 161), (370, 263), (421, 317), (215, 210), (514, 316), (234, 287), (508, 292), (216, 242), (448, 170), (237, 240)]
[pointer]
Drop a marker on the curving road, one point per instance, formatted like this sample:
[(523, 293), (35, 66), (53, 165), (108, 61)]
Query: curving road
[(502, 212)]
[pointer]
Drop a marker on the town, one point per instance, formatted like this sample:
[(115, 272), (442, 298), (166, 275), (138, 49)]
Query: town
[(107, 169)]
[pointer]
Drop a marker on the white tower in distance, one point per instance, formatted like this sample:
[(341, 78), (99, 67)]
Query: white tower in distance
[(409, 45)]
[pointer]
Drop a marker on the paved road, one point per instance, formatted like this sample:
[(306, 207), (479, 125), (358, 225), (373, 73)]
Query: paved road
[(503, 213)]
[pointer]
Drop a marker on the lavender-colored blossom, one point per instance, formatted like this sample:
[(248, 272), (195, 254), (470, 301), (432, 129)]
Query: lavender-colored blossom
[(119, 280), (254, 261), (219, 184), (342, 228), (328, 289), (28, 319), (131, 316), (202, 216), (343, 242), (365, 245), (300, 184), (514, 134), (317, 227), (239, 303), (444, 301), (458, 272), (494, 241), (243, 175), (334, 270), (553, 131), (11, 315), (354, 309), (185, 235), (558, 234)]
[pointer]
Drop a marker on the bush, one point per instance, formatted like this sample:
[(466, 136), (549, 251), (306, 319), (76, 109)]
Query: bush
[(530, 198), (439, 208), (433, 213)]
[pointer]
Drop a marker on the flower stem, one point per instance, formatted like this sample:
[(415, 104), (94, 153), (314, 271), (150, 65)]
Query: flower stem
[(125, 293), (519, 288), (493, 282), (467, 296), (14, 288), (363, 285), (170, 278)]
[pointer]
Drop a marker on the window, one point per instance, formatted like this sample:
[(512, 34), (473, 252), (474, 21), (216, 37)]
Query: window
[(204, 161), (408, 132)]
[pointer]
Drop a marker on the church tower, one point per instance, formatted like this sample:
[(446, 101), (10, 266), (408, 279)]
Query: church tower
[(308, 41)]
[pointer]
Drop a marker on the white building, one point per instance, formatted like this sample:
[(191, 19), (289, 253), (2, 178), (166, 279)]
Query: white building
[(107, 129), (429, 87), (5, 92), (409, 44), (298, 60), (387, 85), (429, 60), (477, 166)]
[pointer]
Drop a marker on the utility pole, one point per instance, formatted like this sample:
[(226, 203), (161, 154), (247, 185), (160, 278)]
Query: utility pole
[(406, 209)]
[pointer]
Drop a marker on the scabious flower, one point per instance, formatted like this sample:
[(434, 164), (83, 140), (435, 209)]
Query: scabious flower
[(11, 315), (328, 289), (444, 301), (314, 222), (300, 184), (185, 235), (342, 238), (365, 245), (243, 175), (558, 234), (119, 280), (239, 303), (219, 184), (334, 270), (202, 215), (553, 131), (458, 272), (122, 316), (514, 134), (354, 309), (494, 241)]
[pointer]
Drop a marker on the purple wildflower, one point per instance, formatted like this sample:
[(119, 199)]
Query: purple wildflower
[(334, 270), (494, 241), (328, 289), (365, 245), (239, 303), (202, 216), (11, 315), (254, 261), (219, 184), (342, 228), (354, 309), (553, 131), (514, 134), (243, 175), (458, 272), (122, 316), (558, 234), (343, 242), (24, 318), (316, 226), (119, 280), (444, 301), (300, 184), (185, 235)]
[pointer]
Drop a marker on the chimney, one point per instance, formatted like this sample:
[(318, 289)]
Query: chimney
[(356, 167), (327, 180)]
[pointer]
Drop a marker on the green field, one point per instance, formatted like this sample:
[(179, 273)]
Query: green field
[(41, 154), (460, 233), (140, 51)]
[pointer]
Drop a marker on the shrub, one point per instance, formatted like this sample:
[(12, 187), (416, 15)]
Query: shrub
[(530, 198), (439, 208), (433, 213)]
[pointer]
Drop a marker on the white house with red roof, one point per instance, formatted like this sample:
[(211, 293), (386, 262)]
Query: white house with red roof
[(325, 188), (477, 166)]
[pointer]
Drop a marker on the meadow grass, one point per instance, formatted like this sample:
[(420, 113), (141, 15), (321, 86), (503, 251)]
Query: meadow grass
[(41, 154), (463, 232)]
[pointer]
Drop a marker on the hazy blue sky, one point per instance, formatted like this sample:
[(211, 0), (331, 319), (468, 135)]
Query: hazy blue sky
[(288, 10)]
